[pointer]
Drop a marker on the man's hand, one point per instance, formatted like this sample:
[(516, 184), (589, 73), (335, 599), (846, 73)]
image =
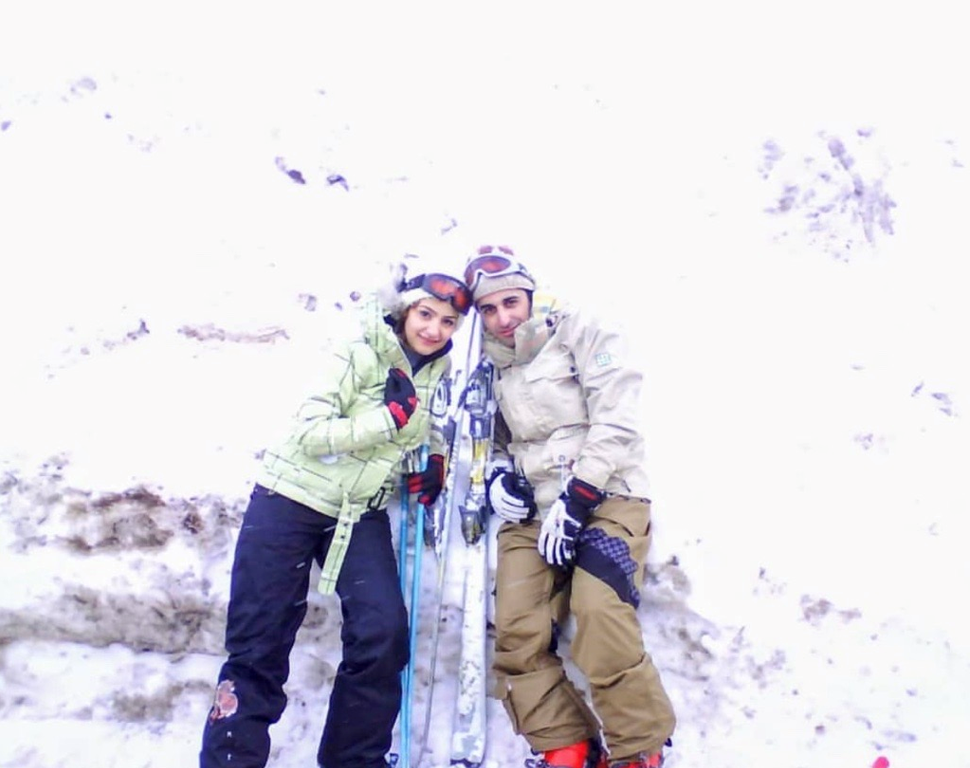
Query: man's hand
[(566, 518), (510, 496)]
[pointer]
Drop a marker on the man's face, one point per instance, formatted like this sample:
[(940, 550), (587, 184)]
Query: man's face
[(503, 311)]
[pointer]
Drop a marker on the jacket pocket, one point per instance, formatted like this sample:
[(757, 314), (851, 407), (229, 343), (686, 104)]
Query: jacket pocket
[(548, 397)]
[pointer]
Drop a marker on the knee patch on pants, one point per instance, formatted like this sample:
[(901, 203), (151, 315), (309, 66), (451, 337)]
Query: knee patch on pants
[(609, 559), (614, 547)]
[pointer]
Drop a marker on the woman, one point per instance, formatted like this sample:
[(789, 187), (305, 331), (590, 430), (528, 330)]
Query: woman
[(322, 494)]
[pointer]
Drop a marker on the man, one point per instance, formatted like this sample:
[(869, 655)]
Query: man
[(568, 481)]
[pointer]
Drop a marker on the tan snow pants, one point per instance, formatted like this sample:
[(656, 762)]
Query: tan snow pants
[(601, 591)]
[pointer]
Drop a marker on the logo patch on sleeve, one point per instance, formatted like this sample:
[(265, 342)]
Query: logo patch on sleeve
[(603, 359)]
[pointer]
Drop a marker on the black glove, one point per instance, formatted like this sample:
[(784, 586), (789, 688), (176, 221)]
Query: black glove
[(428, 484), (510, 496), (566, 518), (399, 396)]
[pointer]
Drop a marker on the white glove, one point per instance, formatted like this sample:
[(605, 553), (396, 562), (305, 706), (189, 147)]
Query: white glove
[(557, 539), (565, 520), (510, 496)]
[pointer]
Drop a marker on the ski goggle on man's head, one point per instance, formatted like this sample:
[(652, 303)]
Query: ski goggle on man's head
[(493, 261), (443, 287)]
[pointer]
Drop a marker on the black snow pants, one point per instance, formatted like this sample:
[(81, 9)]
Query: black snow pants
[(277, 543)]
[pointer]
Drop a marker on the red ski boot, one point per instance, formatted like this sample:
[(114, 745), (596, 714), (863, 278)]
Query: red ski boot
[(582, 754)]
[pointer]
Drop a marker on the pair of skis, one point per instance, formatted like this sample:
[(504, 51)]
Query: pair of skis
[(468, 732), (467, 747)]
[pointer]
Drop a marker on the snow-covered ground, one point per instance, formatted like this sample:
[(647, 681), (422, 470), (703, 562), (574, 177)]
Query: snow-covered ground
[(770, 201)]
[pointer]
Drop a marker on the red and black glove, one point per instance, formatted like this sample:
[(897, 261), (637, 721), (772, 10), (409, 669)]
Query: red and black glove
[(428, 484), (399, 397)]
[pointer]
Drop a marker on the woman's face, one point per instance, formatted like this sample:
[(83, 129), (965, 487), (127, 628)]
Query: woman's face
[(428, 324)]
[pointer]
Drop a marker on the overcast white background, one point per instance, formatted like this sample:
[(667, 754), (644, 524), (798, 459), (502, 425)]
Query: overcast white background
[(771, 201)]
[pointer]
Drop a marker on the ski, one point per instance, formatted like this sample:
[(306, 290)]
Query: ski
[(471, 415), (437, 529), (470, 727)]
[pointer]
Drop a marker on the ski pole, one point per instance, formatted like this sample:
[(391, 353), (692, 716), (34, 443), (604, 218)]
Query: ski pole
[(448, 502), (403, 566), (402, 544), (415, 614)]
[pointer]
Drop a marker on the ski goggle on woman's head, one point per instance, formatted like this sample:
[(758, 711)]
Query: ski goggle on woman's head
[(443, 287), (493, 261)]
